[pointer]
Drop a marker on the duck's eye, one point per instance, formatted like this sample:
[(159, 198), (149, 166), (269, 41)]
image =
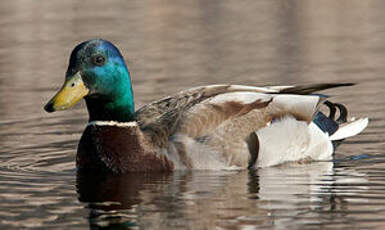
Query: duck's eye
[(99, 60)]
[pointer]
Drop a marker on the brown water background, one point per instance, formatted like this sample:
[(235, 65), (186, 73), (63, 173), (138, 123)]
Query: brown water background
[(170, 46)]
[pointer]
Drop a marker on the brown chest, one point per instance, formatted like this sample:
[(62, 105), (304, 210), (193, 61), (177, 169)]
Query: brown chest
[(119, 149)]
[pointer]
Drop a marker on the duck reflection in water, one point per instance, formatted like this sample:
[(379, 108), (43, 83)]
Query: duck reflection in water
[(211, 199), (112, 200)]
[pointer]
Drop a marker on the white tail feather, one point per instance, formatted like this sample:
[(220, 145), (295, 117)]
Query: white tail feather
[(350, 129), (291, 140)]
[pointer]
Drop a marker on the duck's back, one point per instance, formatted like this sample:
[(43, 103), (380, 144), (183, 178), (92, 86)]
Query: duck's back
[(214, 126)]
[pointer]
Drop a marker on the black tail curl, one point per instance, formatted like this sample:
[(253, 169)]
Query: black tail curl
[(330, 124)]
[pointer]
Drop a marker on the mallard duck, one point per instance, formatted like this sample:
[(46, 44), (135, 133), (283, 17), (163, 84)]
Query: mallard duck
[(209, 127)]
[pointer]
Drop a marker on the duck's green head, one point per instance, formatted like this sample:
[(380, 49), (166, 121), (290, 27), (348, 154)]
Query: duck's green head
[(97, 72)]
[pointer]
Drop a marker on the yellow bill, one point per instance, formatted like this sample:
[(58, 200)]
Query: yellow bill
[(72, 91)]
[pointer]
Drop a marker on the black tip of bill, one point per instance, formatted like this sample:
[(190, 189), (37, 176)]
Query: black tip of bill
[(49, 107)]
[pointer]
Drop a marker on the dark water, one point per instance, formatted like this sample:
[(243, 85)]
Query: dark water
[(172, 45)]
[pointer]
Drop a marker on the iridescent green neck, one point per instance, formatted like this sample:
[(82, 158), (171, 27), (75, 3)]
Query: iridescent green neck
[(103, 110), (117, 105)]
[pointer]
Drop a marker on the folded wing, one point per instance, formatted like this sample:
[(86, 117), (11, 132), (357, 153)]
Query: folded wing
[(224, 116)]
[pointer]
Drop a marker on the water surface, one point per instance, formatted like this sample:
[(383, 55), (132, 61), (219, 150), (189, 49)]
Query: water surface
[(170, 46)]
